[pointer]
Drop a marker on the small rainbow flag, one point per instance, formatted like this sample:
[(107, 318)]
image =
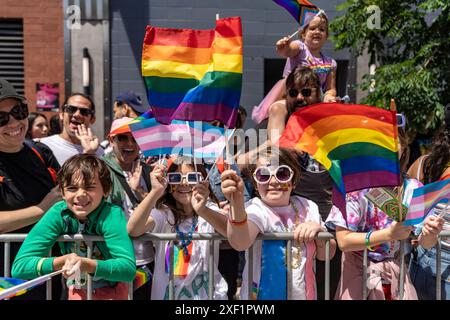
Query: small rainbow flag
[(194, 74), (301, 10), (179, 137), (426, 198), (141, 278), (180, 260), (357, 144), (7, 283)]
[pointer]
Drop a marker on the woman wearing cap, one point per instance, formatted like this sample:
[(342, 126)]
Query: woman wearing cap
[(130, 184), (27, 186)]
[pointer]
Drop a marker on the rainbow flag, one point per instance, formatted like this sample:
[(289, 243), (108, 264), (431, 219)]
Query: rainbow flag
[(357, 144), (179, 137), (180, 260), (301, 10), (142, 277), (426, 198), (194, 74), (7, 283)]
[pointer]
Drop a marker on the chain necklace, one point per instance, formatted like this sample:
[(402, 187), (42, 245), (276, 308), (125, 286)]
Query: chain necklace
[(186, 237), (297, 254)]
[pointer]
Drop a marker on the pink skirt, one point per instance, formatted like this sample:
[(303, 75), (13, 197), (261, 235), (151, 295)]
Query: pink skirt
[(351, 282), (261, 111)]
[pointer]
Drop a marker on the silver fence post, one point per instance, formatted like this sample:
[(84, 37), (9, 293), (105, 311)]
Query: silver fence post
[(171, 276), (89, 279), (48, 284), (402, 269), (7, 264), (211, 270), (438, 269), (130, 290), (364, 276), (327, 270), (289, 269), (250, 273)]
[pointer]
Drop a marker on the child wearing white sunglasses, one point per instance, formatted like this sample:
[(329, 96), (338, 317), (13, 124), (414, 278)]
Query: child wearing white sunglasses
[(275, 211)]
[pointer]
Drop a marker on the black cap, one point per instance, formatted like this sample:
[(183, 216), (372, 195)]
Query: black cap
[(7, 91)]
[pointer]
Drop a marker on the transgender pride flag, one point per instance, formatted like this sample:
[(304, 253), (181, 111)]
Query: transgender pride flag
[(179, 138), (426, 198)]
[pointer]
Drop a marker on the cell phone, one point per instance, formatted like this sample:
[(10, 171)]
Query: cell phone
[(401, 120)]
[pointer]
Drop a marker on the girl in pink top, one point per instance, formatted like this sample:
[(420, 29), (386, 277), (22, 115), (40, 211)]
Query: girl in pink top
[(304, 52)]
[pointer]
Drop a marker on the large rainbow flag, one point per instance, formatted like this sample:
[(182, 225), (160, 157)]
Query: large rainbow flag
[(301, 10), (426, 198), (357, 144), (194, 74)]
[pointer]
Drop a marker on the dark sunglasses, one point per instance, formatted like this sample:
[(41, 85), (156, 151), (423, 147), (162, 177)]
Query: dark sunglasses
[(306, 92), (282, 174), (124, 138), (177, 177), (19, 112), (73, 109)]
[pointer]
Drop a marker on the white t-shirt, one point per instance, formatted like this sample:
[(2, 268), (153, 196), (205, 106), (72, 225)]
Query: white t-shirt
[(63, 149), (275, 219), (143, 250), (194, 286)]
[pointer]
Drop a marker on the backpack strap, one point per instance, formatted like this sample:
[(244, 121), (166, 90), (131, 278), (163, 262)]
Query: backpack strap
[(38, 152), (125, 185)]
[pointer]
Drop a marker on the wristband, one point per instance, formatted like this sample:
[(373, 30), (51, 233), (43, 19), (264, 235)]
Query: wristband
[(39, 266), (237, 223), (368, 241)]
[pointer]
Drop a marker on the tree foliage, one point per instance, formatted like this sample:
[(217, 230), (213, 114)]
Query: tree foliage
[(411, 50)]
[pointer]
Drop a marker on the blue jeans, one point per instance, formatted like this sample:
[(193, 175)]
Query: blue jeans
[(422, 270)]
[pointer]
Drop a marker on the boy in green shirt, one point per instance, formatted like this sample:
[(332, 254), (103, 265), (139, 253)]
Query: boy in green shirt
[(85, 182)]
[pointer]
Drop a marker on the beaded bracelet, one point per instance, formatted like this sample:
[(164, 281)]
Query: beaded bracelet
[(368, 242), (237, 223)]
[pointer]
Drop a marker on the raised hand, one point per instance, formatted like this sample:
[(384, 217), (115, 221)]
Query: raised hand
[(200, 194), (432, 226), (88, 140), (134, 177), (158, 179), (282, 46), (232, 186)]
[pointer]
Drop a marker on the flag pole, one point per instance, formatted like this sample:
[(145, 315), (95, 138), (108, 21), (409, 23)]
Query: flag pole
[(26, 285), (219, 154), (293, 35), (193, 150)]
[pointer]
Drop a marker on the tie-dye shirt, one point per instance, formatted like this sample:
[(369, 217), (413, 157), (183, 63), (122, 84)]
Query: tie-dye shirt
[(322, 66), (364, 216)]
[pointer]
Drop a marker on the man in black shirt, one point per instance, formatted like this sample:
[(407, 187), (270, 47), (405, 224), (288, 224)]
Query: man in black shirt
[(27, 170)]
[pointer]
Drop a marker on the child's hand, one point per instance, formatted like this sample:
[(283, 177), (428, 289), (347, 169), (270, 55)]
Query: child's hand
[(307, 231), (158, 179), (432, 226), (282, 46), (200, 194), (72, 264), (397, 231), (329, 98), (232, 186)]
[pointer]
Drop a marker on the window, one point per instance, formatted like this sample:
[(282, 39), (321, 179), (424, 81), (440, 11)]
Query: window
[(11, 52)]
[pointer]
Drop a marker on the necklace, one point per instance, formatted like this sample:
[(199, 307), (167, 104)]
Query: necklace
[(297, 250), (186, 237)]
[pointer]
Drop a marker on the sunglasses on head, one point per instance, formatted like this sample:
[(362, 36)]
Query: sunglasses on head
[(19, 112), (177, 177), (282, 174), (124, 138), (306, 92), (73, 109)]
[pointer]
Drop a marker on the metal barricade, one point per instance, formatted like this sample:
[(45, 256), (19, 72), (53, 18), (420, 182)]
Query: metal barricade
[(212, 238)]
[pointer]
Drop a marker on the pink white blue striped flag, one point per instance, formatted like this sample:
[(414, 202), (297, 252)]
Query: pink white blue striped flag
[(179, 137), (426, 198)]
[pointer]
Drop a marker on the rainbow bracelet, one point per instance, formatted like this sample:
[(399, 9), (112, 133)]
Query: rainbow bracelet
[(368, 242)]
